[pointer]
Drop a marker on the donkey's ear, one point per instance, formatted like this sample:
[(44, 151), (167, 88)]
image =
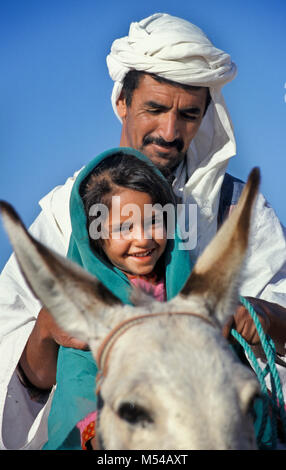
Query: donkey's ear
[(216, 275), (64, 288)]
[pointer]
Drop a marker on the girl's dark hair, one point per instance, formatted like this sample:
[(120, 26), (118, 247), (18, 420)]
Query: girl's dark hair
[(119, 171)]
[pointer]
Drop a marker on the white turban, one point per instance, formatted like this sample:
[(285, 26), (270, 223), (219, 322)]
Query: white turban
[(177, 50)]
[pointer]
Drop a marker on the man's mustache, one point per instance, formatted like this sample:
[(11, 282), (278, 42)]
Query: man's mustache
[(177, 143)]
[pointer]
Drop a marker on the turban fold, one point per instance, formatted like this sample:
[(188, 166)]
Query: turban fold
[(172, 48), (177, 50)]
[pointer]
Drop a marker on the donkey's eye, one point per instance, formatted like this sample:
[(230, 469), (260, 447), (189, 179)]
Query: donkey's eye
[(134, 414)]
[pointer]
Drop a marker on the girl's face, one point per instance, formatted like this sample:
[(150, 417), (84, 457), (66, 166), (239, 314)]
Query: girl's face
[(134, 243)]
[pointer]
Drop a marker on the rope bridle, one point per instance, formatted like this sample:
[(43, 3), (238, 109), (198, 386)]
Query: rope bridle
[(106, 346), (277, 403)]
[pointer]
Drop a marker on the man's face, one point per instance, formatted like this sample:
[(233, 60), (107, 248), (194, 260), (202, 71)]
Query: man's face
[(161, 120)]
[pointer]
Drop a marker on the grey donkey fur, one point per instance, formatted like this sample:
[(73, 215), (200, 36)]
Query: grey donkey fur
[(171, 380)]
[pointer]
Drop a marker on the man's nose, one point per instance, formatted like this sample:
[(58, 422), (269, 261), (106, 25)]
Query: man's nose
[(169, 126)]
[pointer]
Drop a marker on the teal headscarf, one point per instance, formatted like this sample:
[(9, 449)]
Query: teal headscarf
[(75, 396)]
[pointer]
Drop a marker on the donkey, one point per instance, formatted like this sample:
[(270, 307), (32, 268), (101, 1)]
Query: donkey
[(169, 379)]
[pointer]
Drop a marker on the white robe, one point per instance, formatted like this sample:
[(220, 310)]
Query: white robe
[(23, 423)]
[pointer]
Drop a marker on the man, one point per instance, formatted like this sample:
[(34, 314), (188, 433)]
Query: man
[(167, 93)]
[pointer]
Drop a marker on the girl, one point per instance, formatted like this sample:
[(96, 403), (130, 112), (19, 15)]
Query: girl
[(119, 250), (134, 245)]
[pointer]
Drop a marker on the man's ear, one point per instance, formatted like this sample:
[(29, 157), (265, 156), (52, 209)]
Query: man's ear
[(121, 106)]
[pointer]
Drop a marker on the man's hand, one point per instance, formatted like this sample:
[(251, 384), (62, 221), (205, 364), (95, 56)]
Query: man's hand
[(242, 322), (272, 318), (39, 358), (47, 328)]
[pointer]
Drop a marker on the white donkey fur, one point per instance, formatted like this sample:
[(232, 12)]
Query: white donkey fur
[(172, 381)]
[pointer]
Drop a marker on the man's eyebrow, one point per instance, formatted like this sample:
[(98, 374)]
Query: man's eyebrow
[(153, 104), (189, 110)]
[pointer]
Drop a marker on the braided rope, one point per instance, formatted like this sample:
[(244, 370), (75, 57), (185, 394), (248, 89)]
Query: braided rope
[(276, 401)]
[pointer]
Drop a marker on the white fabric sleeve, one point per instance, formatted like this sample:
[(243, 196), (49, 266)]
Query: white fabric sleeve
[(23, 422), (19, 310), (264, 274)]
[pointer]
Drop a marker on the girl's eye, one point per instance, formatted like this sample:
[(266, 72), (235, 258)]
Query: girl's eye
[(155, 224), (158, 219), (150, 223), (125, 228)]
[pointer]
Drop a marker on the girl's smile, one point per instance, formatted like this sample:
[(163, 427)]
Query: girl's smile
[(133, 246)]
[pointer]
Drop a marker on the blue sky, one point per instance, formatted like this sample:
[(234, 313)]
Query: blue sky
[(55, 111)]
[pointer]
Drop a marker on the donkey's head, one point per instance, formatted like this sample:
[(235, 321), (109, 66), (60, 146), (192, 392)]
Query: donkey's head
[(170, 380)]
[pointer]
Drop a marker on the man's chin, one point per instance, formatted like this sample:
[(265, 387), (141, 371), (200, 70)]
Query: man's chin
[(166, 161)]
